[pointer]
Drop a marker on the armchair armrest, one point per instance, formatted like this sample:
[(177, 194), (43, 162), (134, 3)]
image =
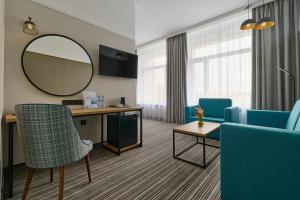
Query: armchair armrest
[(276, 119), (232, 114), (188, 113), (259, 162)]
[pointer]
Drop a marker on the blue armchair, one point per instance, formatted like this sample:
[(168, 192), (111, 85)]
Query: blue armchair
[(260, 160), (215, 110)]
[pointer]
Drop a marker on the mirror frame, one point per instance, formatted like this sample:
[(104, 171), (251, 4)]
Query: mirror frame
[(58, 95)]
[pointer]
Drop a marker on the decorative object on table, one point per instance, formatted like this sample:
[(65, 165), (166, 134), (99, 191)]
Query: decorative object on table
[(199, 114), (90, 99), (123, 101), (29, 27), (293, 79), (100, 101), (260, 24)]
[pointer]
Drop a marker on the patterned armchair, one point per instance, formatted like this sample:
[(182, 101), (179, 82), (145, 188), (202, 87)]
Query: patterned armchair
[(50, 139)]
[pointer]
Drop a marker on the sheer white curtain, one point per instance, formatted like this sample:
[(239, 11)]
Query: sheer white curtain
[(151, 84), (220, 61)]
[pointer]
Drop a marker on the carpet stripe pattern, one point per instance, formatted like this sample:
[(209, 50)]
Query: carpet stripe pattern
[(149, 172)]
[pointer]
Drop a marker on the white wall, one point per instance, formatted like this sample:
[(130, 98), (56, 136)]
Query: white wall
[(2, 7), (17, 89)]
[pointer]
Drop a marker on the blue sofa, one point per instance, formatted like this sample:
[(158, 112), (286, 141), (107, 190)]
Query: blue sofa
[(215, 110), (261, 159)]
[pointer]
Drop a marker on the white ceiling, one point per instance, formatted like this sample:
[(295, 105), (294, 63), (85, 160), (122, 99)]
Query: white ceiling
[(144, 20), (158, 18), (114, 15)]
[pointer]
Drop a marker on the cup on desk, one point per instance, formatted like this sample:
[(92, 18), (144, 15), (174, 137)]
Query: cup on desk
[(120, 105)]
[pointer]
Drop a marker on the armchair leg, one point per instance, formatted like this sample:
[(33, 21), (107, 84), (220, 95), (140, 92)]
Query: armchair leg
[(61, 183), (87, 161), (28, 183), (51, 175)]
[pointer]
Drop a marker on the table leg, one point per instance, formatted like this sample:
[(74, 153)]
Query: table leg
[(174, 144), (10, 158), (204, 156), (141, 128), (119, 132), (102, 137)]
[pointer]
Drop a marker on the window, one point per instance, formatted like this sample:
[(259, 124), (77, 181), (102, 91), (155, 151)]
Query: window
[(151, 85), (220, 62)]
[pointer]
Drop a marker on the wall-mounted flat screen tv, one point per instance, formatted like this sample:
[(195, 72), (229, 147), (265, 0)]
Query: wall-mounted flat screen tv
[(113, 62)]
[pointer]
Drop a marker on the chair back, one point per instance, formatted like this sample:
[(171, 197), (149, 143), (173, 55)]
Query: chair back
[(214, 107), (49, 136)]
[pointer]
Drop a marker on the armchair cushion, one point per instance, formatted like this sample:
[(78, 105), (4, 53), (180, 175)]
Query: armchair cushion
[(268, 118), (214, 107)]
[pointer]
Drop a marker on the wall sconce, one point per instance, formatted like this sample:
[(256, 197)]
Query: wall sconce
[(29, 27)]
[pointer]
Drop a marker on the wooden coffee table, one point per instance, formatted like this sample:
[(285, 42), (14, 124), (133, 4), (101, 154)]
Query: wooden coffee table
[(192, 129)]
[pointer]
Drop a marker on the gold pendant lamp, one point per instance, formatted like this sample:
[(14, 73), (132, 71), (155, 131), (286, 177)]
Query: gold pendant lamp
[(248, 24), (265, 22)]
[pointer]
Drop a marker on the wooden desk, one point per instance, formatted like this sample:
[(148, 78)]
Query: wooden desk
[(10, 119)]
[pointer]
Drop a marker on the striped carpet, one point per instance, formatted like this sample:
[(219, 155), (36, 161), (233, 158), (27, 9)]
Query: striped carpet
[(149, 172)]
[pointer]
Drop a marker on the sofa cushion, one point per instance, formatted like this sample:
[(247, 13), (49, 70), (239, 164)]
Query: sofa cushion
[(214, 107), (294, 116)]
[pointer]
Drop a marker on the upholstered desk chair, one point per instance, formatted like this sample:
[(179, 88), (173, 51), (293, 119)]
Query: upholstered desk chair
[(50, 139)]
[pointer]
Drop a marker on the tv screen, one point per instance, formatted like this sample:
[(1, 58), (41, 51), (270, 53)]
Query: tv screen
[(113, 62)]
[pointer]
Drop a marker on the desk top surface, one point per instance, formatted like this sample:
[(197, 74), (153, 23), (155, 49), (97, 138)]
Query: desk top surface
[(11, 118)]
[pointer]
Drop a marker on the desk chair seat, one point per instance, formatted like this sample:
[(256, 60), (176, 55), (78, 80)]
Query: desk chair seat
[(50, 139)]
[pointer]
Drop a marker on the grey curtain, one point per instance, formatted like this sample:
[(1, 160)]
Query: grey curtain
[(276, 46), (176, 78)]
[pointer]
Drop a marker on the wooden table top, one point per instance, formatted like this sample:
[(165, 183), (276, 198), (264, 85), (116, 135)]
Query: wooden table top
[(193, 129), (11, 118)]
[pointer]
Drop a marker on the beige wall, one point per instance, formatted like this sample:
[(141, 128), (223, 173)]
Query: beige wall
[(17, 88), (1, 79)]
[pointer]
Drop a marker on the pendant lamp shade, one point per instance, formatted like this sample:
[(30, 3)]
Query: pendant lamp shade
[(248, 24), (264, 23), (29, 27)]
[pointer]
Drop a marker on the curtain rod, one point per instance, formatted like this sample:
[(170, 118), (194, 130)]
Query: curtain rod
[(195, 26)]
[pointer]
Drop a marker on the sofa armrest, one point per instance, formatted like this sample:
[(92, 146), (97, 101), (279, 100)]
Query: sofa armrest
[(276, 119), (189, 112), (232, 114), (259, 162)]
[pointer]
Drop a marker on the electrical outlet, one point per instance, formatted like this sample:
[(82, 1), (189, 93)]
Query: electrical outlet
[(83, 122)]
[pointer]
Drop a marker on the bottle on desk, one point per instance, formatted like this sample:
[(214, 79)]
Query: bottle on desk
[(101, 103)]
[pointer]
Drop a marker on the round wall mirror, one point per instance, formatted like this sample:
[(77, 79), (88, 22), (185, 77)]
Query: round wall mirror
[(57, 65)]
